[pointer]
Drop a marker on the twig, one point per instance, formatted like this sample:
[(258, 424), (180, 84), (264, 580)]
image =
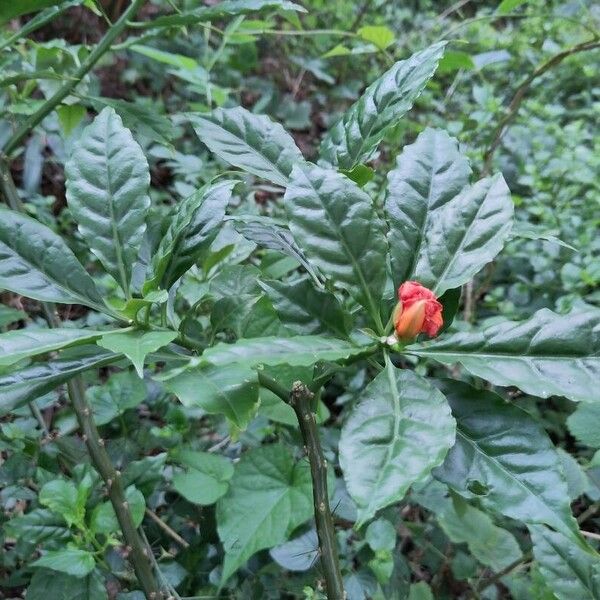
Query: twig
[(94, 56), (519, 96), (508, 569), (167, 529), (590, 534), (300, 398)]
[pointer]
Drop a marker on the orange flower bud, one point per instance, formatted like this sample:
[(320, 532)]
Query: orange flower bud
[(418, 311)]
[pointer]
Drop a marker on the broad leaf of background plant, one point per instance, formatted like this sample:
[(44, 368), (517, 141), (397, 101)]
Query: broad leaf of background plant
[(18, 344), (251, 142), (335, 222), (270, 495), (583, 424), (228, 389), (38, 526), (107, 191), (505, 459), (50, 584), (305, 309), (206, 476), (37, 263), (355, 137), (443, 231), (570, 571), (19, 387), (302, 350), (136, 345), (72, 561), (547, 355), (191, 231), (400, 430)]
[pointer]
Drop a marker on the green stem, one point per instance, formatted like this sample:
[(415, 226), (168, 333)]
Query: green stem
[(300, 399), (94, 56)]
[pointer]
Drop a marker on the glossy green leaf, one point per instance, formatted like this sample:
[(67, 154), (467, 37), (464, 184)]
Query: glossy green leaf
[(547, 355), (379, 35), (270, 495), (302, 350), (584, 424), (107, 191), (225, 8), (355, 137), (11, 10), (19, 387), (38, 526), (251, 142), (51, 584), (18, 344), (228, 389), (507, 6), (399, 431), (268, 234), (136, 345), (104, 520), (505, 459), (191, 231), (570, 571), (305, 309), (37, 263), (335, 222), (71, 561), (442, 231), (62, 497), (206, 477)]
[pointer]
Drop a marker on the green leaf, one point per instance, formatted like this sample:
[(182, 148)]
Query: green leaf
[(71, 561), (335, 222), (70, 115), (507, 6), (225, 8), (453, 60), (505, 459), (206, 478), (231, 390), (37, 263), (583, 424), (252, 142), (268, 234), (20, 387), (547, 355), (302, 350), (107, 185), (62, 498), (570, 571), (442, 231), (303, 308), (104, 520), (18, 344), (355, 137), (381, 535), (136, 345), (11, 10), (400, 430), (379, 35), (420, 591), (268, 498), (38, 526), (191, 231), (9, 315), (46, 585), (175, 60)]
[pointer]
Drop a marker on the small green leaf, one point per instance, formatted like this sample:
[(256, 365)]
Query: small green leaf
[(355, 137), (46, 585), (167, 58), (505, 459), (61, 497), (583, 424), (335, 222), (227, 389), (453, 60), (104, 520), (136, 345), (70, 115), (71, 561), (570, 571), (507, 6), (252, 142), (547, 355), (400, 430), (206, 477), (420, 591), (37, 263), (269, 496), (107, 192), (379, 35), (38, 526), (381, 535)]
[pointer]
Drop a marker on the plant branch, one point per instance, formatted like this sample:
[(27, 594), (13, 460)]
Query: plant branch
[(94, 56), (300, 399), (140, 553), (508, 569), (519, 96)]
